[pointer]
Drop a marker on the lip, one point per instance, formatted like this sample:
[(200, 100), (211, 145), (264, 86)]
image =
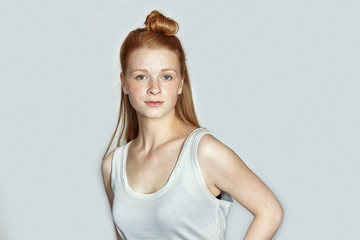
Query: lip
[(154, 103)]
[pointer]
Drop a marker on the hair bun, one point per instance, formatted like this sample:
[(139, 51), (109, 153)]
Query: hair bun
[(158, 23)]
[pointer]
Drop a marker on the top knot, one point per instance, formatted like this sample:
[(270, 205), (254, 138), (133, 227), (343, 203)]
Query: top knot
[(158, 23)]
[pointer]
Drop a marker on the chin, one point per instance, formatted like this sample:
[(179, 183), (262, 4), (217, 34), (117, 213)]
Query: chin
[(155, 114), (150, 115)]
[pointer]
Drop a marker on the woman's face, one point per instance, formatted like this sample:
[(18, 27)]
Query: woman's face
[(153, 82)]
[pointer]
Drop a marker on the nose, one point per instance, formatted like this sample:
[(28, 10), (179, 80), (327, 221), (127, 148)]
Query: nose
[(154, 87)]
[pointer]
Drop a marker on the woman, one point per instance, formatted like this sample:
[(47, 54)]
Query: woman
[(172, 179)]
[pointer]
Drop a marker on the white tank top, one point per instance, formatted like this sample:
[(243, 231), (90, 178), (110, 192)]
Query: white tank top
[(183, 208)]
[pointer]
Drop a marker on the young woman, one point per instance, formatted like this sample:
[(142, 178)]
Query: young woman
[(172, 179)]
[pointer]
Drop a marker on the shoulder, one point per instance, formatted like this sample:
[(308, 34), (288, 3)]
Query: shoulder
[(211, 148), (106, 164), (218, 162), (106, 174)]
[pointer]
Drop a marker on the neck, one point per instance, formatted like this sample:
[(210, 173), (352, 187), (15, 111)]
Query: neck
[(154, 132)]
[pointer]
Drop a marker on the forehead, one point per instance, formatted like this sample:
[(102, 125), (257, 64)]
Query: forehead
[(153, 58)]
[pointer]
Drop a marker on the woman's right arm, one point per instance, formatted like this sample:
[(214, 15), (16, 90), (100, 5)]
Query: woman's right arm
[(106, 175)]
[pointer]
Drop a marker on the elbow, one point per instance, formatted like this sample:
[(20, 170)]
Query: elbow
[(272, 216), (276, 214)]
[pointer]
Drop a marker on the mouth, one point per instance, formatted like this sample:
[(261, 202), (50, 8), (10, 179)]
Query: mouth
[(154, 103)]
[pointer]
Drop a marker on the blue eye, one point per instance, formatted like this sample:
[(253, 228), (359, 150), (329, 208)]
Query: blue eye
[(140, 77), (167, 77)]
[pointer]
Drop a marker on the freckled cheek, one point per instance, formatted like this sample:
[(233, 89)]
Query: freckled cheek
[(135, 90), (136, 94), (171, 93)]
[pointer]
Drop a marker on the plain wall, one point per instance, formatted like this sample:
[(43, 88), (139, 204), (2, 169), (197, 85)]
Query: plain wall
[(277, 81)]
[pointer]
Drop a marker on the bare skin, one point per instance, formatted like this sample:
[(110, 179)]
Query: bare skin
[(154, 152)]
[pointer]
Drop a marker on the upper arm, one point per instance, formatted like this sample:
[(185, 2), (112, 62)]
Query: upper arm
[(226, 170), (106, 175)]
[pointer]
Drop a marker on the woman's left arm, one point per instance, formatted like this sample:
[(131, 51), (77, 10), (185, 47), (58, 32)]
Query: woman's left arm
[(224, 170)]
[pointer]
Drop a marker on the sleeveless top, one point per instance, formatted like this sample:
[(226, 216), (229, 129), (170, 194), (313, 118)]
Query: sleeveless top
[(183, 208)]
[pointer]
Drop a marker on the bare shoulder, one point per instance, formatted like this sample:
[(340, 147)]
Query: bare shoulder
[(209, 144), (106, 175), (221, 166), (106, 166), (215, 152)]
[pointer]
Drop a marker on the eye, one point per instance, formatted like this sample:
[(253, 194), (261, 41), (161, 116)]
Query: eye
[(140, 77), (167, 77)]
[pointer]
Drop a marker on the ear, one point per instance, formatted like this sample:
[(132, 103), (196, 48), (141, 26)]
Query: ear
[(123, 85), (181, 86)]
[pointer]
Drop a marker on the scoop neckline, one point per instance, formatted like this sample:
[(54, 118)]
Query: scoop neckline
[(137, 195)]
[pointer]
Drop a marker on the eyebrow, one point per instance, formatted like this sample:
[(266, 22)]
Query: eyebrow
[(139, 70), (163, 70), (168, 69)]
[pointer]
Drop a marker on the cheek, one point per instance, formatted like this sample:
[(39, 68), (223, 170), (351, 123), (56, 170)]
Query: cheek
[(134, 93), (173, 93), (133, 89)]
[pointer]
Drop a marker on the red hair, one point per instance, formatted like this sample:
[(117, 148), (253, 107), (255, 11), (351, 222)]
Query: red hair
[(159, 33)]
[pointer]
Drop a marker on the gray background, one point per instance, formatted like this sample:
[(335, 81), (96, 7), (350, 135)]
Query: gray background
[(277, 81)]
